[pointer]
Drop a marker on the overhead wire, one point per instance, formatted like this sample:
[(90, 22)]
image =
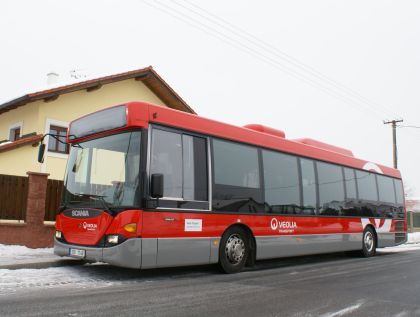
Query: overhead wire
[(170, 10), (408, 126), (252, 51), (248, 50), (282, 55)]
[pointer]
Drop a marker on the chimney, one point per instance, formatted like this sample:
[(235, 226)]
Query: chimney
[(52, 78)]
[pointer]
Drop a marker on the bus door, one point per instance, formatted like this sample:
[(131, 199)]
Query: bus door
[(177, 220)]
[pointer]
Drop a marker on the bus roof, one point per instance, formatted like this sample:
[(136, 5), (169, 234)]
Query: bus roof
[(140, 114)]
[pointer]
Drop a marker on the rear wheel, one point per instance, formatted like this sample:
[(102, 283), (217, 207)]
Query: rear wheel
[(369, 242), (234, 250)]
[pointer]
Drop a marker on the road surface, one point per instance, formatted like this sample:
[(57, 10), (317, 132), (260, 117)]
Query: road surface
[(328, 285)]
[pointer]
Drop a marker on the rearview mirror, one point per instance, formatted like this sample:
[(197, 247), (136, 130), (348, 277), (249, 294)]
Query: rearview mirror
[(156, 186), (41, 152)]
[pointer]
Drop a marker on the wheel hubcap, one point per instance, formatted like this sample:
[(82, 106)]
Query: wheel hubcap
[(368, 241), (235, 249)]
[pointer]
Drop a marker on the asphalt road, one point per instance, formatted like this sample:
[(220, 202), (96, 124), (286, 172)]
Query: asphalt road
[(327, 285)]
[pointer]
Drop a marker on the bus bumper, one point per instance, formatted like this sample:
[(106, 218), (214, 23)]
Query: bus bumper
[(126, 254)]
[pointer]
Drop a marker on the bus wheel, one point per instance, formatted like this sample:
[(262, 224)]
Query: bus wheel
[(369, 242), (234, 250)]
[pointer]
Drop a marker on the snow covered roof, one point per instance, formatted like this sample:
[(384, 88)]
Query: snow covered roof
[(30, 139), (412, 204)]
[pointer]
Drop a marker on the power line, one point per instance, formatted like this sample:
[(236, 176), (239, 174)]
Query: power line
[(256, 53), (253, 52), (271, 49), (348, 97), (274, 50), (408, 126)]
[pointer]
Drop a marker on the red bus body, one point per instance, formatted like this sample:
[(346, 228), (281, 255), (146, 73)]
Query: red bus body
[(165, 237)]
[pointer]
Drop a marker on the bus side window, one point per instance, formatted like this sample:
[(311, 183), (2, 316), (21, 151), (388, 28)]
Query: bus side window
[(387, 198), (386, 189), (368, 194), (399, 196), (331, 189), (182, 159), (194, 155), (236, 177), (351, 206), (281, 183), (399, 191), (350, 183), (166, 159), (308, 186)]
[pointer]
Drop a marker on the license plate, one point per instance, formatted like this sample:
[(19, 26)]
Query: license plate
[(77, 253)]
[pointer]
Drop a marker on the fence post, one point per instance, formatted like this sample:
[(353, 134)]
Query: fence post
[(37, 192), (411, 221)]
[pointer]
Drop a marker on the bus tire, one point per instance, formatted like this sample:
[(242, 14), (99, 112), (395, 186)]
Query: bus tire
[(234, 250), (369, 242)]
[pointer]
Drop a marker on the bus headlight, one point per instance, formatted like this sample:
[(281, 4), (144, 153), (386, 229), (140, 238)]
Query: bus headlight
[(58, 234), (112, 239)]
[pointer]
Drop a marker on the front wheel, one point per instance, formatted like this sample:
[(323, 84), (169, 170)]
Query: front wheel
[(234, 250), (369, 242)]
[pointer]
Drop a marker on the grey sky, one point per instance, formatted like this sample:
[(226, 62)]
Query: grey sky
[(371, 47)]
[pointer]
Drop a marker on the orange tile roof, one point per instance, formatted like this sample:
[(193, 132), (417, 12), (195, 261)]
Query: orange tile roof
[(147, 75)]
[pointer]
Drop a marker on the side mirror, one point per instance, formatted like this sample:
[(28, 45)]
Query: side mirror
[(156, 186), (41, 152)]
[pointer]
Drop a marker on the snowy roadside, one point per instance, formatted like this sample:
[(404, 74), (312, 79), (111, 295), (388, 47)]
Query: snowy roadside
[(18, 254), (414, 237), (31, 277), (11, 281), (413, 243)]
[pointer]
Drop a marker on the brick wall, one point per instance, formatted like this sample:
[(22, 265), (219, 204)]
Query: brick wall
[(33, 232)]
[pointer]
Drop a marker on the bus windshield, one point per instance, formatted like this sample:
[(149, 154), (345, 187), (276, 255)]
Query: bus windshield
[(104, 173)]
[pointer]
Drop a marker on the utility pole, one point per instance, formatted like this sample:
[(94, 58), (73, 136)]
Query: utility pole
[(394, 139)]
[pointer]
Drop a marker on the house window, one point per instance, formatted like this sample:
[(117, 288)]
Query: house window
[(53, 144), (14, 134)]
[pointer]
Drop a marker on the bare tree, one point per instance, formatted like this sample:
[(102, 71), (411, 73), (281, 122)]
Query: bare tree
[(408, 191)]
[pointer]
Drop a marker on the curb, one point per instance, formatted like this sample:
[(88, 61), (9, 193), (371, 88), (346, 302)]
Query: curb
[(42, 265)]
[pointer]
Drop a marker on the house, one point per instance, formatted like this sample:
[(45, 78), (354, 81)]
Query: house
[(24, 120), (413, 204)]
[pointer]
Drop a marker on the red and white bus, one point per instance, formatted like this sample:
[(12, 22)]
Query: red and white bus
[(147, 186)]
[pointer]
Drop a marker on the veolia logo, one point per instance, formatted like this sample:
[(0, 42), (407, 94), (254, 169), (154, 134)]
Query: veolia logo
[(274, 224), (282, 226), (80, 213), (89, 226)]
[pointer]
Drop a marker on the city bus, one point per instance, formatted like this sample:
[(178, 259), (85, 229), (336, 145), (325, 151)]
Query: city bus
[(147, 187)]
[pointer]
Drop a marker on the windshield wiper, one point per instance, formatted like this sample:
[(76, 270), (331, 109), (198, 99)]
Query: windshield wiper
[(99, 198), (77, 145)]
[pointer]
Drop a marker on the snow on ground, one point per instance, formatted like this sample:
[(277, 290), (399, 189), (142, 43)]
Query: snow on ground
[(20, 252), (414, 237), (78, 276), (413, 244), (12, 281), (401, 248)]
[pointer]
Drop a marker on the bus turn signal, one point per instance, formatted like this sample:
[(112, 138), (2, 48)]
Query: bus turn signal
[(131, 227)]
